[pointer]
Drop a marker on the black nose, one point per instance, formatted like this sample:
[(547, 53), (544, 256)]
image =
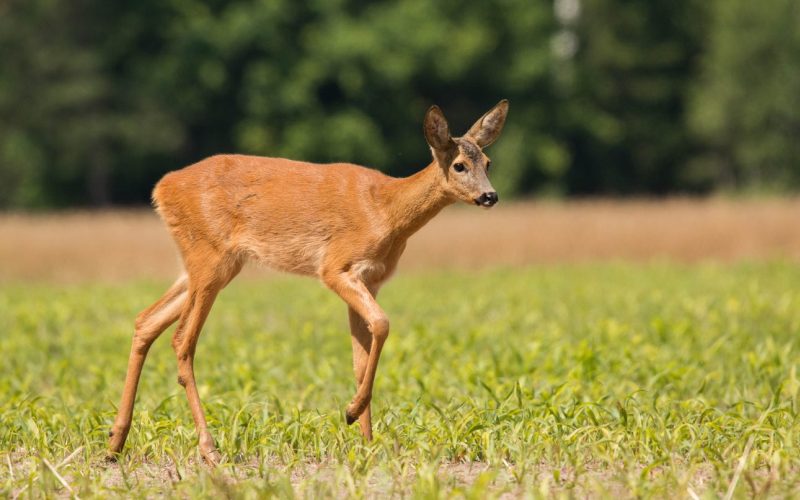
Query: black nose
[(488, 199)]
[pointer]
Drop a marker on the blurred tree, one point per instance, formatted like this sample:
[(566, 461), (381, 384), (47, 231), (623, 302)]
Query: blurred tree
[(623, 105), (68, 115), (747, 105)]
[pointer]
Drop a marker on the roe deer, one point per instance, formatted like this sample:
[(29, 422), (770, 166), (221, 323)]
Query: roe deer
[(345, 224)]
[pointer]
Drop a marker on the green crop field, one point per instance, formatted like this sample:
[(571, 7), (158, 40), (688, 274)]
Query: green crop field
[(589, 380)]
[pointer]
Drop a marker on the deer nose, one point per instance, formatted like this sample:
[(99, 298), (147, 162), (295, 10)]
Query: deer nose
[(488, 199)]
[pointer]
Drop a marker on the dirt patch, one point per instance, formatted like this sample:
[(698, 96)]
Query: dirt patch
[(592, 480)]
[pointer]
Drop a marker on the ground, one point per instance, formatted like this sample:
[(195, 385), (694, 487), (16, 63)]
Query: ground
[(649, 368), (595, 379)]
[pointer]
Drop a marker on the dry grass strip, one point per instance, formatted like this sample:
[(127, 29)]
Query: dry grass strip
[(120, 245)]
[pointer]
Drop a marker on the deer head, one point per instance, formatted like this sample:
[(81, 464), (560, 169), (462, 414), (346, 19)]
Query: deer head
[(464, 165)]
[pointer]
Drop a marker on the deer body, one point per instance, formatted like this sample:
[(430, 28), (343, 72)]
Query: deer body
[(283, 213), (345, 224)]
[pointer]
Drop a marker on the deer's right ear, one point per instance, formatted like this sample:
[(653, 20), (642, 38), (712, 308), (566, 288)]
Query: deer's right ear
[(437, 132)]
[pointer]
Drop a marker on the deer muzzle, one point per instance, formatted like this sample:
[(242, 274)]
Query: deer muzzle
[(487, 199)]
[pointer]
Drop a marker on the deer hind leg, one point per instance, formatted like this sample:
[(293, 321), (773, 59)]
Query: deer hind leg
[(203, 290), (150, 323), (362, 344)]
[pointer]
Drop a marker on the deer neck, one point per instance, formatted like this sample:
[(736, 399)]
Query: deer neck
[(413, 201)]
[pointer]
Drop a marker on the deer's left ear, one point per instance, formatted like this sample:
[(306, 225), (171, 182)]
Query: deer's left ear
[(487, 129)]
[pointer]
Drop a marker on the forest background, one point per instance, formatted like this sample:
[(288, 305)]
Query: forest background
[(608, 97)]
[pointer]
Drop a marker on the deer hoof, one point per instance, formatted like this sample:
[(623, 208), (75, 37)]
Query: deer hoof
[(354, 410), (212, 458), (208, 451)]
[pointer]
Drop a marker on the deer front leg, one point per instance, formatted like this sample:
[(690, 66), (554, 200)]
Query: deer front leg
[(362, 344), (356, 294)]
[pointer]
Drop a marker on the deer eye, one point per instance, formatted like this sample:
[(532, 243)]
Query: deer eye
[(459, 167), (488, 165)]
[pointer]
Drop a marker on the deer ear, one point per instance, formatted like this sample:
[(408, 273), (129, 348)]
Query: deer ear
[(437, 132), (488, 128)]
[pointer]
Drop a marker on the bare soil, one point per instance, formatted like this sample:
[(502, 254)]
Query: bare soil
[(592, 481)]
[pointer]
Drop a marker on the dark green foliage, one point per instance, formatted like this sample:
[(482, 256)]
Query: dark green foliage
[(747, 106), (99, 99), (624, 112)]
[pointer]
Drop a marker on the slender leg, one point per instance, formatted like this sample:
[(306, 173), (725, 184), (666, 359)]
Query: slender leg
[(184, 343), (362, 342), (202, 294), (149, 325), (356, 294)]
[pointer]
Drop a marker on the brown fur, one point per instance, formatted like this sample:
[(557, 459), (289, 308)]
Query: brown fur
[(345, 224)]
